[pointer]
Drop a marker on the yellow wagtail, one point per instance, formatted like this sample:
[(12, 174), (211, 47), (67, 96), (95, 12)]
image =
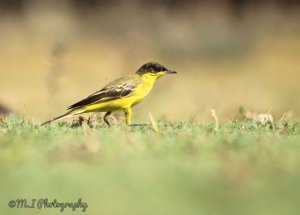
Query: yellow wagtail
[(122, 93)]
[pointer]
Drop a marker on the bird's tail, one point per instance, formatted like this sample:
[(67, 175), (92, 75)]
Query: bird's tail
[(68, 114)]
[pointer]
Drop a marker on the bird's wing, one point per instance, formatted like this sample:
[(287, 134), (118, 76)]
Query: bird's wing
[(117, 89)]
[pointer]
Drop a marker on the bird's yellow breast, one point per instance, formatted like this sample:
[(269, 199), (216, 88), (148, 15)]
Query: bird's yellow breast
[(145, 87), (141, 91)]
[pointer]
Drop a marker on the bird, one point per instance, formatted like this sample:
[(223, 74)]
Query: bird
[(120, 94)]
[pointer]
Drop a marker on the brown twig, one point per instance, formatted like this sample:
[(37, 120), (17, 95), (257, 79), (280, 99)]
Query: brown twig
[(153, 123), (214, 116)]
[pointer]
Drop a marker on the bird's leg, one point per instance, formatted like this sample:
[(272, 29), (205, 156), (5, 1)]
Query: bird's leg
[(106, 116), (128, 114)]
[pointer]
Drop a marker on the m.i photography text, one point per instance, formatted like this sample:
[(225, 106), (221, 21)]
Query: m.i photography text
[(44, 203)]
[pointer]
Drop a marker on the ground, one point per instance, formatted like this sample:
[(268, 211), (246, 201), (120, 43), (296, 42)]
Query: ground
[(244, 167)]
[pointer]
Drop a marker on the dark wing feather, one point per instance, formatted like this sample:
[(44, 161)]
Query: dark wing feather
[(108, 93)]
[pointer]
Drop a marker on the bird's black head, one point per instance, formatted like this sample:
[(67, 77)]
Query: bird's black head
[(154, 69)]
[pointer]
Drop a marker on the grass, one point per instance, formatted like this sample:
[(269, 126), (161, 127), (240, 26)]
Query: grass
[(185, 168)]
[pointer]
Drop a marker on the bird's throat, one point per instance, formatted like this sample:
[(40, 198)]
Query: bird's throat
[(150, 79)]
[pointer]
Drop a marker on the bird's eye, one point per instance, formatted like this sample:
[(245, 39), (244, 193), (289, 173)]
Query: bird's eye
[(154, 68), (157, 68)]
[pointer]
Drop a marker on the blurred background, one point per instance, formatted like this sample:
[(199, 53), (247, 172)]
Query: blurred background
[(229, 53)]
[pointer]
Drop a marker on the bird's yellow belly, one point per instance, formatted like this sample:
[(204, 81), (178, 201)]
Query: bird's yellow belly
[(122, 103)]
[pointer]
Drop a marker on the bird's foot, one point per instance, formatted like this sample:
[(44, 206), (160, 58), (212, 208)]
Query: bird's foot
[(114, 121), (138, 124)]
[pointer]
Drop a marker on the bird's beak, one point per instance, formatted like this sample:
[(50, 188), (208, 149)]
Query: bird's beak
[(171, 71)]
